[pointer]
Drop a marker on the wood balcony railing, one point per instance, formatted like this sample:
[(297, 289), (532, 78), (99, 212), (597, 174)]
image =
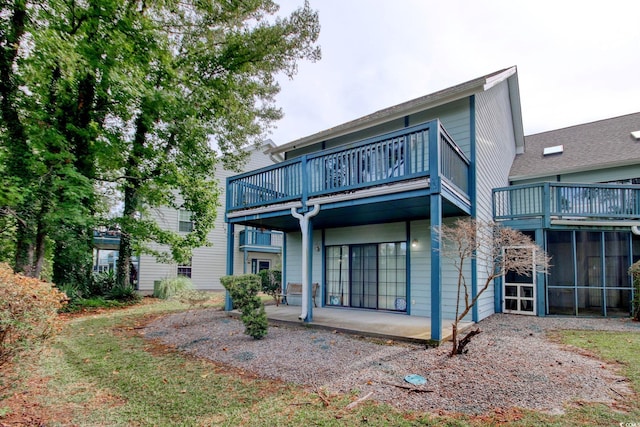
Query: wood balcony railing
[(403, 155), (257, 239), (570, 201)]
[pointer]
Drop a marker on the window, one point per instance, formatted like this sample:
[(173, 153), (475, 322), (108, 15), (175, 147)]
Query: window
[(185, 223), (184, 270), (257, 265)]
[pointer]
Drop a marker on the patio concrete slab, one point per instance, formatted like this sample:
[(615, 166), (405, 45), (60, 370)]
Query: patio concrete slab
[(386, 325)]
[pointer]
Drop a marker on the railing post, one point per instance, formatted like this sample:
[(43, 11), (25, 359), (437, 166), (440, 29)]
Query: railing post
[(434, 157), (227, 195), (546, 204), (305, 179)]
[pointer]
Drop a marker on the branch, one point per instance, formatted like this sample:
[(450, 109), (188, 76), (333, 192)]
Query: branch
[(475, 299), (359, 401), (407, 387), (321, 395), (7, 211)]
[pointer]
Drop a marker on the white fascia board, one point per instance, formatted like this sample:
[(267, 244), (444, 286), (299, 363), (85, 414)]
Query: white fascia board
[(498, 78)]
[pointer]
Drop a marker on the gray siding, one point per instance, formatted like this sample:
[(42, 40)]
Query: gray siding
[(495, 151), (449, 279), (454, 117), (375, 233), (209, 263), (420, 273), (587, 177), (294, 257)]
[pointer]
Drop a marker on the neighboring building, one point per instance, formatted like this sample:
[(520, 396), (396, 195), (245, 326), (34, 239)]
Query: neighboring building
[(257, 248), (575, 190), (357, 204)]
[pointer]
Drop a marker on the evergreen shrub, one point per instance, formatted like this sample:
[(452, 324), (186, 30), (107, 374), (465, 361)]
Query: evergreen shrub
[(244, 290)]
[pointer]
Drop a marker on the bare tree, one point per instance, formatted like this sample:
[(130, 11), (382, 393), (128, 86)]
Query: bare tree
[(497, 250)]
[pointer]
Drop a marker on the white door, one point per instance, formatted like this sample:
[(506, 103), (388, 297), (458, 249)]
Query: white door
[(519, 291)]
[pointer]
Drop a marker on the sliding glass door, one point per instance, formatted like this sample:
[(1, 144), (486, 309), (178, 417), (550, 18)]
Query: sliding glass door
[(372, 276), (364, 276)]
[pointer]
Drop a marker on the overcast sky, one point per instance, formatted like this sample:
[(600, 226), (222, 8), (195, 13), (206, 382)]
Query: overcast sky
[(578, 61)]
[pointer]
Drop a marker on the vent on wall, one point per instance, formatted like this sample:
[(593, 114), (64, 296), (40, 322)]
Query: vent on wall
[(556, 149), (636, 135)]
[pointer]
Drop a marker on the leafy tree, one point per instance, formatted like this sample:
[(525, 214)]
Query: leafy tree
[(497, 250), (141, 98), (214, 82)]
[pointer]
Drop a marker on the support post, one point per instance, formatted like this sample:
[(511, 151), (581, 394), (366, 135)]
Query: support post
[(436, 220), (306, 249), (436, 266)]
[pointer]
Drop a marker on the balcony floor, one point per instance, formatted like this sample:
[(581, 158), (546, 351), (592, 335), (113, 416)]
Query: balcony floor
[(378, 324)]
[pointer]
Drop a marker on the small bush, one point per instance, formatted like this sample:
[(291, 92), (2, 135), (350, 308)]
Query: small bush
[(124, 293), (28, 312), (102, 284), (271, 283), (167, 288), (244, 291), (72, 292)]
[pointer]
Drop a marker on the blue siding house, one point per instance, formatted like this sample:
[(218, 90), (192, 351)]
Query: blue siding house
[(357, 203)]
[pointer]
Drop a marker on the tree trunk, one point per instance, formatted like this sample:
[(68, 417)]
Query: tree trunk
[(24, 249), (123, 270), (454, 339), (18, 152), (131, 198)]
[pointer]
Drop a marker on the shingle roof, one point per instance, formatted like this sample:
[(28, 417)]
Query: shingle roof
[(596, 145)]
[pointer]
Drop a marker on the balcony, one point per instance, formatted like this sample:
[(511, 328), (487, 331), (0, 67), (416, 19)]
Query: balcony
[(562, 204), (418, 153), (106, 239), (260, 241)]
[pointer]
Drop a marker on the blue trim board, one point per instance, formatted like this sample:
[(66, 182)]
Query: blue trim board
[(436, 265), (408, 267), (475, 315), (261, 215)]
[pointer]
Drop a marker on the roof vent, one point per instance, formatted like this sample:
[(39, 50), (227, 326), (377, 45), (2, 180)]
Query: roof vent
[(556, 149), (636, 135)]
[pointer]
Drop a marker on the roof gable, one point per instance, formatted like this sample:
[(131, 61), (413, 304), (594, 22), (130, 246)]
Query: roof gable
[(432, 100)]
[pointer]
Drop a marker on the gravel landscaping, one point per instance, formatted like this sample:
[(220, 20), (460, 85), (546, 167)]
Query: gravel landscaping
[(510, 364)]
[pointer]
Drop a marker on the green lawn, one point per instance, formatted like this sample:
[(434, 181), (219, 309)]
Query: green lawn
[(103, 373)]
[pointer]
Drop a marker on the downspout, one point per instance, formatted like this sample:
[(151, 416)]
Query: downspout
[(304, 227), (635, 230)]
